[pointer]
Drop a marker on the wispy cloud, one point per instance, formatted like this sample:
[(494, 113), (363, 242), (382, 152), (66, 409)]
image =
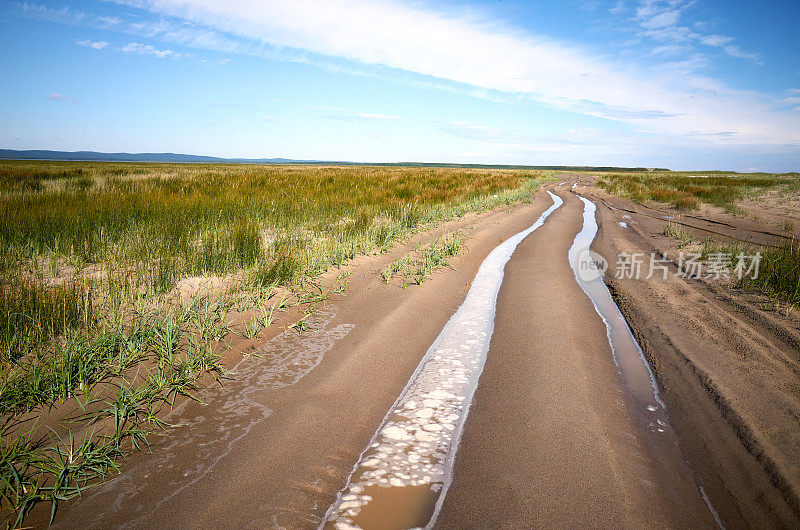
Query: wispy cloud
[(344, 115), (149, 49), (736, 51), (58, 96), (666, 99), (97, 45), (109, 21), (724, 42), (716, 40), (379, 117), (661, 21), (65, 15), (136, 48)]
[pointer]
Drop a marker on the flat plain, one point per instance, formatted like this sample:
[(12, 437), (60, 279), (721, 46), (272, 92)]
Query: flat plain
[(145, 306)]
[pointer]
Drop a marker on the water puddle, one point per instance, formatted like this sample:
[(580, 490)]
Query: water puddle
[(634, 369), (628, 356), (401, 479), (204, 438)]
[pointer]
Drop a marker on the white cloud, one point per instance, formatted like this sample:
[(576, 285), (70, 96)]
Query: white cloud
[(716, 40), (661, 20), (618, 9), (148, 49), (97, 45), (63, 15), (108, 22), (735, 51), (491, 57)]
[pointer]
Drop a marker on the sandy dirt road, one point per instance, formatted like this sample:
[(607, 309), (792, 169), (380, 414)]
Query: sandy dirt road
[(729, 368), (550, 440), (264, 455)]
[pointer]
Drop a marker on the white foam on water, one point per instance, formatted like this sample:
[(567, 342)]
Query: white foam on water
[(418, 439)]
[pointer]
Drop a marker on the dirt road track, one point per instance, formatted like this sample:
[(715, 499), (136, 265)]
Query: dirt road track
[(286, 469), (550, 441), (730, 373)]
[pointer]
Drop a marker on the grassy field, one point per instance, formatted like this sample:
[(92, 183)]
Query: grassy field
[(689, 190), (97, 262), (779, 275)]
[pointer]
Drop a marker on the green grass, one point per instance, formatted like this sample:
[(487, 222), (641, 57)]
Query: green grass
[(684, 191), (428, 258), (91, 258), (779, 268), (677, 231)]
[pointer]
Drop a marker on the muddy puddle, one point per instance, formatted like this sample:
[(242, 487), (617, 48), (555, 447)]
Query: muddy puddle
[(402, 477)]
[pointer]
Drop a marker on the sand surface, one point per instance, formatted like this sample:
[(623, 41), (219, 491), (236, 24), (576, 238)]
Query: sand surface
[(550, 440)]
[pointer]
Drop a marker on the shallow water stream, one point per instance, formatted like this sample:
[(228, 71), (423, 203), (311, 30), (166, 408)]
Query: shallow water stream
[(402, 477), (634, 369)]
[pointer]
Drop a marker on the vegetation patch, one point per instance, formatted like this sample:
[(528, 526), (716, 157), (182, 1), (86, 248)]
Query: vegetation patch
[(428, 258), (99, 328), (778, 272), (688, 191), (676, 230)]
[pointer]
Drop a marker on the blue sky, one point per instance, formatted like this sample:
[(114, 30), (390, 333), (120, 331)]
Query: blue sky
[(679, 84)]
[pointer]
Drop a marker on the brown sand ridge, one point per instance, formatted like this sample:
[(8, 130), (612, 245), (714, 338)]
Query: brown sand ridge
[(550, 440)]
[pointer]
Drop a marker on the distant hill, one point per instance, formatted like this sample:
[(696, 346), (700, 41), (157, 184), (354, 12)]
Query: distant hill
[(94, 156)]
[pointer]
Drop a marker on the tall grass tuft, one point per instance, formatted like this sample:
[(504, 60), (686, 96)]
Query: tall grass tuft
[(779, 272), (31, 313)]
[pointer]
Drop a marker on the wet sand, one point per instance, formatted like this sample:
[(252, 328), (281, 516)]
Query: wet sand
[(551, 439), (287, 450), (729, 367)]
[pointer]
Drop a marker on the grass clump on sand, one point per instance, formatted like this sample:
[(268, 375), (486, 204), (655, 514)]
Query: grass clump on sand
[(97, 333), (778, 268), (780, 271), (676, 230), (430, 257), (687, 191)]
